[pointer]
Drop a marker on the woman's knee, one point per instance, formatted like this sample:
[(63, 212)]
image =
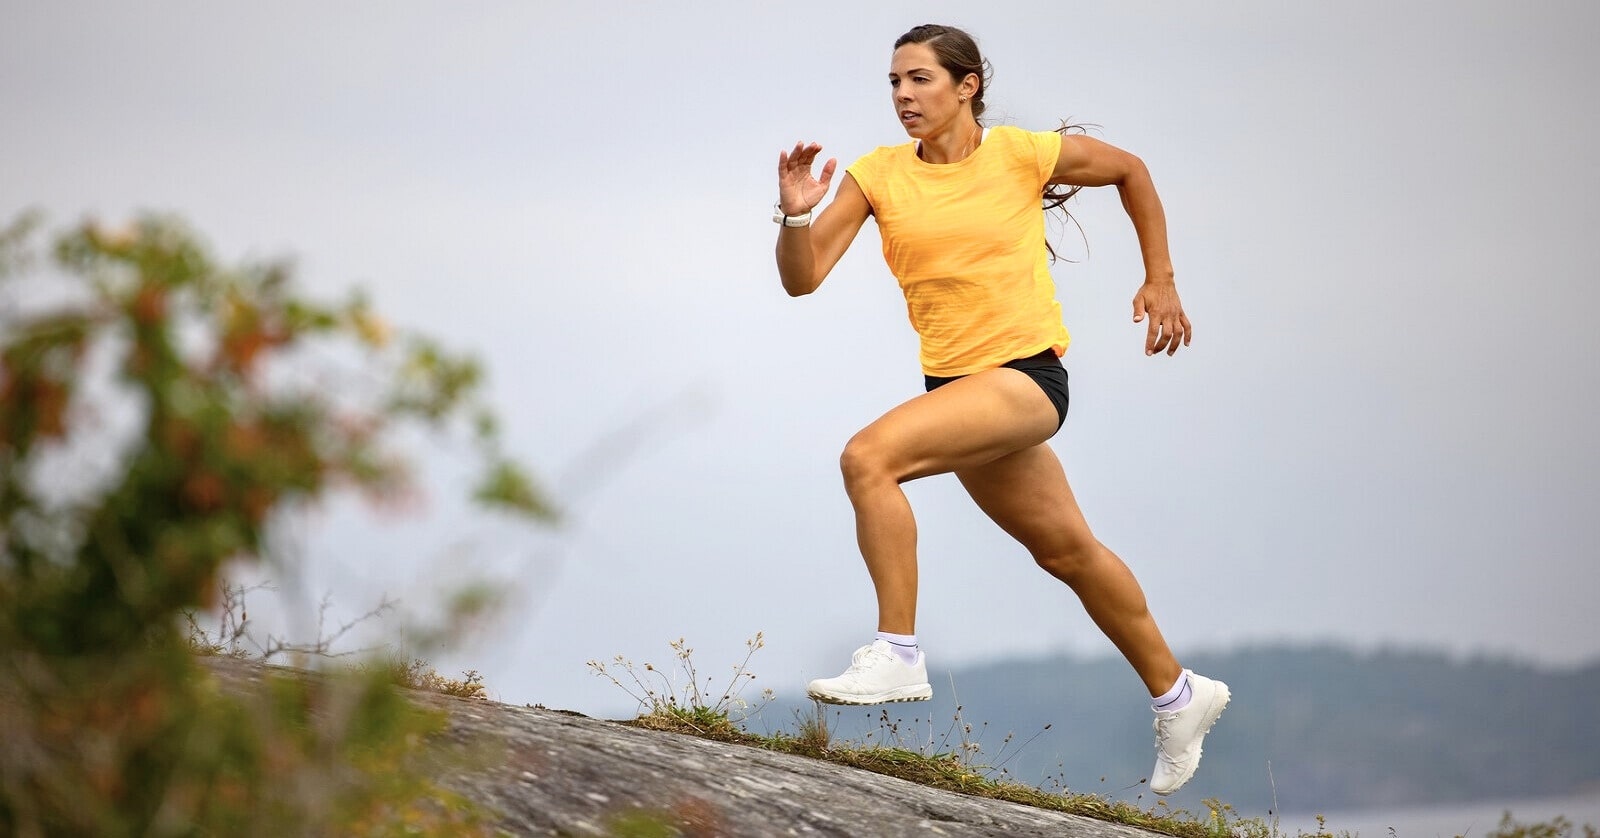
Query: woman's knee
[(1070, 559), (865, 461)]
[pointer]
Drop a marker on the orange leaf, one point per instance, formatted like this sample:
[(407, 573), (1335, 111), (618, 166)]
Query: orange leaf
[(204, 491), (149, 305)]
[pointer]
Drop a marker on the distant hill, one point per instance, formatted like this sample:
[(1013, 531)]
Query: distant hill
[(1341, 729)]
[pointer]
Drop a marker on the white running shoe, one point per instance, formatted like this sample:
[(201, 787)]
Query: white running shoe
[(1179, 734), (876, 676)]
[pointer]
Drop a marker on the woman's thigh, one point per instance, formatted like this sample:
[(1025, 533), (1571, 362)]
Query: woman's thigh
[(1027, 494), (966, 423)]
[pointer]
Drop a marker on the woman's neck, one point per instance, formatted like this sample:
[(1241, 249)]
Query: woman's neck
[(953, 145)]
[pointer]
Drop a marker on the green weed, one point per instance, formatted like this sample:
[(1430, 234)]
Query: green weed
[(675, 699)]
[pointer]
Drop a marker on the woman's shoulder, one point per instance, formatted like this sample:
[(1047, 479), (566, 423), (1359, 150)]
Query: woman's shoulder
[(880, 160), (1017, 135), (888, 152), (1032, 151)]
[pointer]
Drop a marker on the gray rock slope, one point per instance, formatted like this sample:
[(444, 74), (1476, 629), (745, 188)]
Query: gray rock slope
[(562, 774), (548, 772)]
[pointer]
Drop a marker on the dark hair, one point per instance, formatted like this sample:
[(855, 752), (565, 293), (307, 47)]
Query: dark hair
[(958, 54), (1056, 197)]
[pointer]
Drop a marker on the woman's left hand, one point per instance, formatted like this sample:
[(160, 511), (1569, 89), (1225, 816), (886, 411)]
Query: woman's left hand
[(1168, 324)]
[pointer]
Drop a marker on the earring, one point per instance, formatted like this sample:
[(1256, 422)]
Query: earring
[(963, 100)]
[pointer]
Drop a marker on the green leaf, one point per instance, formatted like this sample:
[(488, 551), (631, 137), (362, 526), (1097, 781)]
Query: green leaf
[(508, 487)]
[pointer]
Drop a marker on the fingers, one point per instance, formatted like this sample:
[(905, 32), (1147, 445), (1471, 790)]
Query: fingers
[(798, 190), (1167, 327), (1174, 331), (1165, 332), (794, 165), (1155, 337), (801, 156), (827, 173), (1152, 331)]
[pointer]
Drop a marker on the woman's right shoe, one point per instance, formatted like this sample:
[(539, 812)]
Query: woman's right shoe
[(876, 676)]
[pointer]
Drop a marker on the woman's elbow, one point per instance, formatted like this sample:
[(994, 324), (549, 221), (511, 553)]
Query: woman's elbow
[(798, 290), (1133, 168)]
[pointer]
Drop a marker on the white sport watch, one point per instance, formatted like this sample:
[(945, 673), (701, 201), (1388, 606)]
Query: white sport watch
[(801, 220)]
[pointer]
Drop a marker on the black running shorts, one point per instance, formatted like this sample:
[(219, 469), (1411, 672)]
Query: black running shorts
[(1044, 368)]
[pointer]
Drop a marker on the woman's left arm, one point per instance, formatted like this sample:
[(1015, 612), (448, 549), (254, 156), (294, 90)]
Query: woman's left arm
[(1085, 161)]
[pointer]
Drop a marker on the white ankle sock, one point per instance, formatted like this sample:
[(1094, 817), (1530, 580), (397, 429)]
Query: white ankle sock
[(904, 645), (1176, 698)]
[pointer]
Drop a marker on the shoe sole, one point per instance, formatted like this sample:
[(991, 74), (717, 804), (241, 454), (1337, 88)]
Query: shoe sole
[(1212, 714), (921, 692)]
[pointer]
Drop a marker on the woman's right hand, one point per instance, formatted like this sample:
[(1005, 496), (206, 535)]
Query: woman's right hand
[(798, 191)]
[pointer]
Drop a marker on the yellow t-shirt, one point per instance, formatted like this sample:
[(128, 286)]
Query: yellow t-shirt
[(966, 241)]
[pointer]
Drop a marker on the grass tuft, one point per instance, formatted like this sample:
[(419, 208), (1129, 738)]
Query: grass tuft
[(418, 675), (679, 699)]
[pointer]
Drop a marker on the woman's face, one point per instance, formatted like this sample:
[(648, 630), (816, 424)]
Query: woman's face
[(926, 99)]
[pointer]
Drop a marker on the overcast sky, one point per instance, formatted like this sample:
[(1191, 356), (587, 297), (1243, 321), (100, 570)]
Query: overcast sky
[(1381, 216)]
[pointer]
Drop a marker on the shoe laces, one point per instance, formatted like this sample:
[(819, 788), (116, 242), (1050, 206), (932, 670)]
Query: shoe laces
[(1163, 733), (861, 660)]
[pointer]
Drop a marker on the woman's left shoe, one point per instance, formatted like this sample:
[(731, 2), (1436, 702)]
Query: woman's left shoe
[(1179, 734)]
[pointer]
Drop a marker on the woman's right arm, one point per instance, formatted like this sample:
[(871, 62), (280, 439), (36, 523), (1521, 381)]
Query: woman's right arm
[(807, 254)]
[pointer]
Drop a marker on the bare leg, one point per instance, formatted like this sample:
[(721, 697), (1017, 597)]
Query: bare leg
[(962, 425), (886, 532), (1027, 494)]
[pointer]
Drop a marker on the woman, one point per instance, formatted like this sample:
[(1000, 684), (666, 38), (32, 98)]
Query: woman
[(960, 214)]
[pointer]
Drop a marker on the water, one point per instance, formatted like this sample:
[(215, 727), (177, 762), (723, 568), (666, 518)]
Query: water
[(1473, 820)]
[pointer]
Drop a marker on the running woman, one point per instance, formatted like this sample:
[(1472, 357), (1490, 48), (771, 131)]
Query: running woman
[(960, 210)]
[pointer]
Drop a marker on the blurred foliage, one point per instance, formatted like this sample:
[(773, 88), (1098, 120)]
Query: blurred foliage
[(1559, 827), (246, 401)]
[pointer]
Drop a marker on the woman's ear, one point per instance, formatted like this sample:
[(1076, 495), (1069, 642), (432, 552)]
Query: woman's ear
[(970, 85)]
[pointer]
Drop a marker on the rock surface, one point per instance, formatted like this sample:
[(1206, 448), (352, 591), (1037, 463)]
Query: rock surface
[(547, 772)]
